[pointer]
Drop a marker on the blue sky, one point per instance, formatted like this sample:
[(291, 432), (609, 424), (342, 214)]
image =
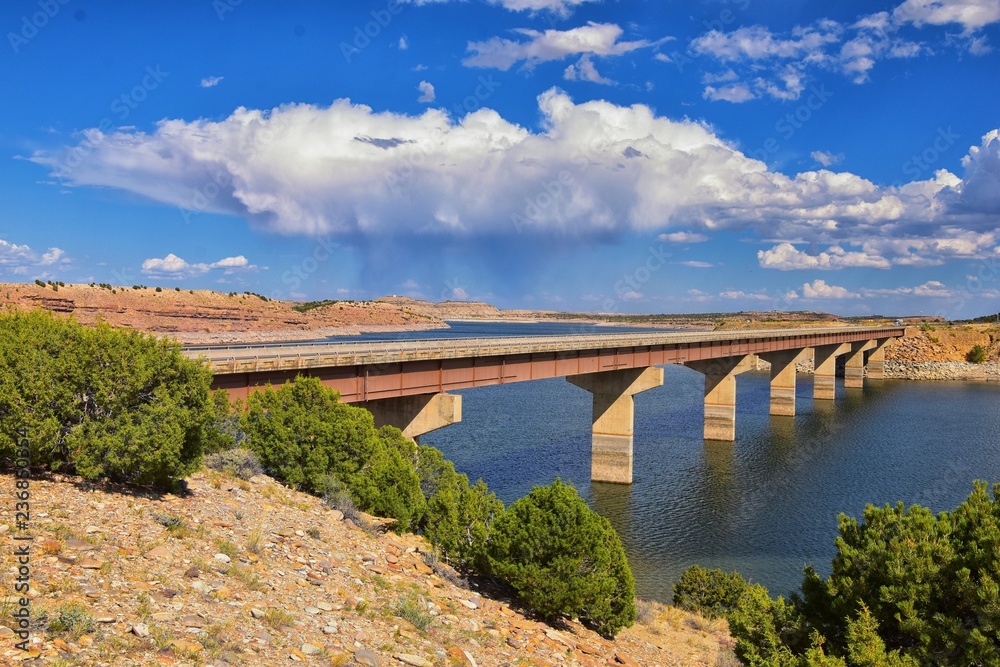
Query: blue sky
[(601, 155)]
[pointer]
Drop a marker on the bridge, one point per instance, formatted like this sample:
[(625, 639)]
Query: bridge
[(406, 383)]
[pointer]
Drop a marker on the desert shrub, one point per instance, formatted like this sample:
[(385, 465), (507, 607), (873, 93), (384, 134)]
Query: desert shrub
[(563, 558), (907, 587), (101, 402), (303, 434), (458, 517), (238, 462), (411, 607), (389, 485), (976, 355), (711, 593), (71, 619)]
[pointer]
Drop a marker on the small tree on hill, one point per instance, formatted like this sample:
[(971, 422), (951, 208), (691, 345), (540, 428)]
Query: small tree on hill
[(303, 434), (564, 559), (102, 402), (459, 517), (976, 355)]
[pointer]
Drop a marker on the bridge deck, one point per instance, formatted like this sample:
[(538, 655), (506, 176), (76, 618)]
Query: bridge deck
[(364, 371)]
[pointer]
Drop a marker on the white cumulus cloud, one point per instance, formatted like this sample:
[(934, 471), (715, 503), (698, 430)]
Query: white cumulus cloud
[(827, 159), (173, 266), (786, 257), (594, 169), (972, 15), (818, 289), (584, 70), (599, 39), (21, 260), (211, 81), (427, 94)]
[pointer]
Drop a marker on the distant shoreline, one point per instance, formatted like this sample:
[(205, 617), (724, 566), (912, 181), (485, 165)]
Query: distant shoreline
[(293, 336)]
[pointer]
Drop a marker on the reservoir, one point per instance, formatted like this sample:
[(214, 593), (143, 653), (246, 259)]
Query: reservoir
[(765, 505)]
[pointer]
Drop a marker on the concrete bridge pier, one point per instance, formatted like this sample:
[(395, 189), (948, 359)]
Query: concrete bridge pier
[(875, 360), (614, 417), (854, 367), (825, 370), (720, 393), (783, 379), (416, 415)]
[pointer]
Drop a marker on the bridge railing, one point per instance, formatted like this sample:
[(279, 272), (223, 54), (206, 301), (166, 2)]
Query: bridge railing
[(299, 355)]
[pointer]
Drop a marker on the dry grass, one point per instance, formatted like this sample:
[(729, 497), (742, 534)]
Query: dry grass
[(688, 636)]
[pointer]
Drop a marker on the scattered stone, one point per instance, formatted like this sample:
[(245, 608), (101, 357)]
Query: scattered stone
[(186, 645), (337, 515), (461, 657), (192, 622), (365, 657), (192, 572), (5, 631), (469, 604), (312, 649), (79, 545), (623, 659), (156, 553), (51, 546), (312, 610), (325, 606), (106, 619), (222, 558), (140, 630), (90, 564), (257, 613), (414, 660)]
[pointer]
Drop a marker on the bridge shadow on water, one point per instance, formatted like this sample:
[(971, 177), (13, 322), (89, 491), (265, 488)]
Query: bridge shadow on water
[(766, 504)]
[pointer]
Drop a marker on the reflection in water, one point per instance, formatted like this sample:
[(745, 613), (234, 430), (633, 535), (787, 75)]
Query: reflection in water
[(765, 505), (612, 502)]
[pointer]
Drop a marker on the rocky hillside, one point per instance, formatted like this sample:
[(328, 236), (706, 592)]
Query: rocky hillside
[(454, 310), (206, 316), (250, 573), (940, 343)]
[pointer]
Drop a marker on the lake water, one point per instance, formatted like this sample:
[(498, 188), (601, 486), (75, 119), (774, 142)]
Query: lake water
[(765, 505)]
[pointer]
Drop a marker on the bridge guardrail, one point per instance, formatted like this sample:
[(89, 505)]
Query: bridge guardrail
[(363, 352)]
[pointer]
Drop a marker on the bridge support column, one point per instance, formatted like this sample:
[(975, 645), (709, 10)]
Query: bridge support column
[(614, 418), (854, 368), (825, 370), (720, 393), (416, 415), (783, 380), (875, 360)]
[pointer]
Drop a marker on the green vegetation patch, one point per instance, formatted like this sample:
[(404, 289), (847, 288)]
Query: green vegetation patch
[(101, 402)]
